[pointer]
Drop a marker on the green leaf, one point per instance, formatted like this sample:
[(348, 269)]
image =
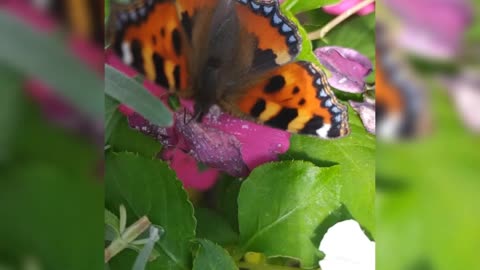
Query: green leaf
[(131, 93), (356, 155), (10, 102), (281, 207), (212, 257), (37, 139), (112, 222), (112, 116), (297, 6), (149, 187), (213, 227), (226, 193), (124, 138), (306, 53), (47, 58)]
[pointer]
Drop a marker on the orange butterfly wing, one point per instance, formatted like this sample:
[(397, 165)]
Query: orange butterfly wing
[(149, 37), (277, 39), (386, 94), (296, 97)]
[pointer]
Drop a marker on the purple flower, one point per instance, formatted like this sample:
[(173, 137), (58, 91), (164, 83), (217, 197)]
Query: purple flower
[(349, 68)]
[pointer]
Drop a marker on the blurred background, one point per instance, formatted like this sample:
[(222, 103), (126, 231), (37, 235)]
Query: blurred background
[(428, 124), (51, 118)]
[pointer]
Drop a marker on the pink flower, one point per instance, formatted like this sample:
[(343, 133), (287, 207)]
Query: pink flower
[(345, 5), (349, 68), (220, 141), (366, 110), (465, 92), (431, 28)]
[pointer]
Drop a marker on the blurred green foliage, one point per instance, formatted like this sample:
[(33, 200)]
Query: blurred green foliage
[(427, 200), (47, 56), (50, 193)]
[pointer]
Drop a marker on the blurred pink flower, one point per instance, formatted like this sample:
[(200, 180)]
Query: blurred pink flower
[(431, 28), (465, 92), (25, 11), (54, 107), (349, 68), (61, 113), (345, 5), (220, 141)]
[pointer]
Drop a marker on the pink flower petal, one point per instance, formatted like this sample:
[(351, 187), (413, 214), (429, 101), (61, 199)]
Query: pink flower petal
[(366, 110), (431, 28), (187, 170), (465, 91), (349, 68)]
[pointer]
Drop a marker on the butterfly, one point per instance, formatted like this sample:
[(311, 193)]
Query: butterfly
[(237, 54)]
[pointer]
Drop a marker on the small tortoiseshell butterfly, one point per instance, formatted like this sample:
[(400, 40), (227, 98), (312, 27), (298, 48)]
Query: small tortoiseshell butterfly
[(238, 54)]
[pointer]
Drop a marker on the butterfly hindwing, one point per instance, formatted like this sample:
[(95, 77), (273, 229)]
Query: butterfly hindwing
[(296, 97), (148, 36)]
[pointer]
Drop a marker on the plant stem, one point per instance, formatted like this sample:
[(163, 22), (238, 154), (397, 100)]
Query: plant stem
[(130, 234), (319, 34)]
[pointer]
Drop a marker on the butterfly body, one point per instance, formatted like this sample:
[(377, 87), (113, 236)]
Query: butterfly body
[(238, 54)]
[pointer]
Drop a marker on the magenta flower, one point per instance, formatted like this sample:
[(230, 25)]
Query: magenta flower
[(345, 5), (349, 68), (220, 141)]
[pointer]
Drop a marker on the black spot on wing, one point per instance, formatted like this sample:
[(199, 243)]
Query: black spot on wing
[(161, 77), (295, 90), (263, 59), (136, 48), (312, 125), (258, 108), (275, 84), (154, 40), (302, 102), (176, 75), (283, 118), (177, 42), (187, 24), (162, 32), (334, 132)]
